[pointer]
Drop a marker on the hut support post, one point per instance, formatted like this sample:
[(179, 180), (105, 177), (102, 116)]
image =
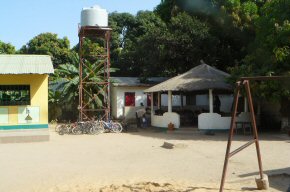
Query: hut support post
[(159, 100), (181, 100), (245, 104), (152, 104), (169, 101), (210, 101)]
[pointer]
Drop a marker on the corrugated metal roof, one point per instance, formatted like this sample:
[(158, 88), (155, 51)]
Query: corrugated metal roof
[(135, 81), (25, 64), (201, 77)]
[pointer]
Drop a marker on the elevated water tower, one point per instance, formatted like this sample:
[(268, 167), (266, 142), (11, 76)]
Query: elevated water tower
[(94, 96)]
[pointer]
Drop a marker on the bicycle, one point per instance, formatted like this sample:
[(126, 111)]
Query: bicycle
[(64, 129), (85, 127), (109, 126)]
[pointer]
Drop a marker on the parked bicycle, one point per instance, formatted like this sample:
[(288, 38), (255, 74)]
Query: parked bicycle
[(86, 127), (64, 129), (89, 127), (109, 126)]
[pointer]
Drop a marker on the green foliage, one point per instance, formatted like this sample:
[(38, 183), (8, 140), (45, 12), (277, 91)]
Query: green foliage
[(249, 8), (6, 48), (65, 84), (270, 51), (148, 46), (188, 41), (49, 44), (166, 9), (64, 87), (232, 5), (54, 100)]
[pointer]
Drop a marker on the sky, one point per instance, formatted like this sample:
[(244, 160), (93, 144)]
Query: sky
[(21, 20)]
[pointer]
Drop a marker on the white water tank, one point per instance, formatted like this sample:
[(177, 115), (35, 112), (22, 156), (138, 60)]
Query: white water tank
[(94, 16)]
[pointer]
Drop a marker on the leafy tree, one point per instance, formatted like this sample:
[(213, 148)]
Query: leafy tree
[(142, 52), (63, 93), (188, 42), (49, 44), (147, 46), (269, 54), (6, 48), (273, 31), (166, 9), (121, 24), (229, 22)]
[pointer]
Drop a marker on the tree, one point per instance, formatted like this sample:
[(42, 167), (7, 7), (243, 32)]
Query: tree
[(269, 53), (120, 23), (230, 23), (49, 44), (142, 52), (6, 48), (148, 46), (166, 9), (188, 42), (273, 31)]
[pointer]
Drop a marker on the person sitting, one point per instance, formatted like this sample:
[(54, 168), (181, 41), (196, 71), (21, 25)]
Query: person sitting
[(140, 116), (216, 104)]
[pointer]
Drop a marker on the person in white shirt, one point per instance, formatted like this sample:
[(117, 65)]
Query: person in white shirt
[(140, 115)]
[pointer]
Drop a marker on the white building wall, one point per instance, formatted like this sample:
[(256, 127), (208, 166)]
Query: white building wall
[(113, 101), (118, 100)]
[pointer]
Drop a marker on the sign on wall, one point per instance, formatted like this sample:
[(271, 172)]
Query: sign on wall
[(28, 115)]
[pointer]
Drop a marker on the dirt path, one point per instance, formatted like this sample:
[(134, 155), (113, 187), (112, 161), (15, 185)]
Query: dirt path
[(137, 162)]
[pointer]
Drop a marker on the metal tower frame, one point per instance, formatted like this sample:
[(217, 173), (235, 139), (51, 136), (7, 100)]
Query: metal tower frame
[(86, 97)]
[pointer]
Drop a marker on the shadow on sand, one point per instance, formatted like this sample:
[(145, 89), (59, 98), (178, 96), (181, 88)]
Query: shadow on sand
[(196, 134), (278, 178)]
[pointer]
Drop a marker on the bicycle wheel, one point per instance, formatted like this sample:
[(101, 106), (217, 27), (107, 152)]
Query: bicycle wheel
[(99, 127), (76, 130), (62, 129), (117, 127), (86, 127), (57, 128)]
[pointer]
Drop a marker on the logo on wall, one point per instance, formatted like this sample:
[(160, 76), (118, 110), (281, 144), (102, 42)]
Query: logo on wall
[(28, 115), (28, 118)]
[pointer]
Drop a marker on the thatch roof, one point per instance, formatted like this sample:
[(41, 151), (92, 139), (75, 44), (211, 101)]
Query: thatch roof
[(201, 77), (136, 82)]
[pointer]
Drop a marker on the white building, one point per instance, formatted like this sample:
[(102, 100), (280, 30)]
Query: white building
[(127, 94)]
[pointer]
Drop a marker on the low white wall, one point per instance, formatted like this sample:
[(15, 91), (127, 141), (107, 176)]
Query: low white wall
[(214, 121), (165, 119), (130, 112)]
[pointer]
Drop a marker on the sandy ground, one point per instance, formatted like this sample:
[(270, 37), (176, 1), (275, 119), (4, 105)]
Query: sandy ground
[(137, 161)]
